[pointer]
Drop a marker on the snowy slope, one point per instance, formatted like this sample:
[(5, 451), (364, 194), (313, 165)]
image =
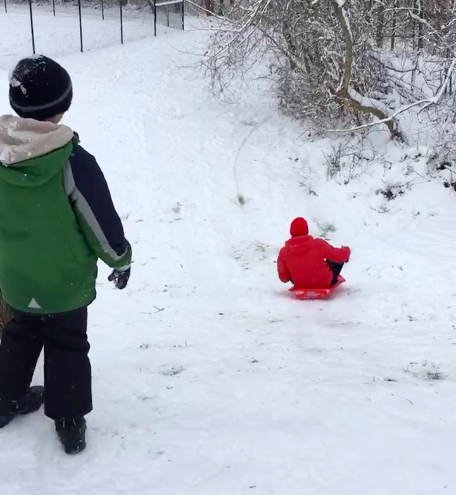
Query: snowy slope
[(208, 378)]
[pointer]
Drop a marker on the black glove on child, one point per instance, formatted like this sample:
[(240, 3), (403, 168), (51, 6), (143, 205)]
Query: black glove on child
[(120, 278)]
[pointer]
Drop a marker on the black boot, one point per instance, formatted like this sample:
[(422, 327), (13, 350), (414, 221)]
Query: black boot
[(30, 402), (71, 434)]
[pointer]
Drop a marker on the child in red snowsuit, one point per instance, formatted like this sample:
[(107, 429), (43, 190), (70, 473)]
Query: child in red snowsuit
[(309, 263)]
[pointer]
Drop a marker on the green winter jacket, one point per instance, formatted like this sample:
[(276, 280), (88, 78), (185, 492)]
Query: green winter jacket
[(56, 219)]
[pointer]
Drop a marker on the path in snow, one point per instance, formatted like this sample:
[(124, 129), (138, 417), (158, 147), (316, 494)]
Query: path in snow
[(208, 379)]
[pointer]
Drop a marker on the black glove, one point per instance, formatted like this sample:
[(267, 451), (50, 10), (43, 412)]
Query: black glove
[(120, 278)]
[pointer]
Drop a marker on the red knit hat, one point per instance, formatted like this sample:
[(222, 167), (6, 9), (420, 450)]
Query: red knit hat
[(299, 227)]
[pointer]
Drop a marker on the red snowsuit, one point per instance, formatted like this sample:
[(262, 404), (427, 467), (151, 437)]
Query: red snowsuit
[(303, 259)]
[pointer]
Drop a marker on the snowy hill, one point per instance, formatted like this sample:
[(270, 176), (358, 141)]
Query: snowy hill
[(208, 378)]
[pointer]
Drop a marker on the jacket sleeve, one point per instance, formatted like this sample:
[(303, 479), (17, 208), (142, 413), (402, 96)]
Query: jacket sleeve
[(283, 272), (97, 217), (338, 255)]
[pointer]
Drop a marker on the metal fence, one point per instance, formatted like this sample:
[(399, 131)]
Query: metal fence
[(169, 9), (167, 12)]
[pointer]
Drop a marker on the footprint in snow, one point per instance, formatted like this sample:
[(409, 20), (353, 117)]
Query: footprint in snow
[(170, 369), (249, 120), (426, 371)]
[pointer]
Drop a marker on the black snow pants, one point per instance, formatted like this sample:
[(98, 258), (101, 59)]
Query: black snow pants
[(336, 268), (67, 370)]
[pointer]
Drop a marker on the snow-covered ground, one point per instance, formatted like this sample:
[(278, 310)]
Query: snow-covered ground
[(208, 378)]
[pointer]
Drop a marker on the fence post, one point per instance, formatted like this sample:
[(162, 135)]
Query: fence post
[(6, 8), (183, 15), (121, 23), (80, 25), (155, 17), (102, 9), (31, 26), (53, 7)]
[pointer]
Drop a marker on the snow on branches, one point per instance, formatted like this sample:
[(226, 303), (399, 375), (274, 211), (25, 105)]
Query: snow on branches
[(354, 63)]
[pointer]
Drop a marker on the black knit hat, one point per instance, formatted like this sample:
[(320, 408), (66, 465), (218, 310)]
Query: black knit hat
[(40, 88)]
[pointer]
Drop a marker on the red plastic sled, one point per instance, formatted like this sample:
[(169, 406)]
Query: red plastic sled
[(308, 294)]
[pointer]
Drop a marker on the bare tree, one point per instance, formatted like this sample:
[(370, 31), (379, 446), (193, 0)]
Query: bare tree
[(320, 59), (328, 57)]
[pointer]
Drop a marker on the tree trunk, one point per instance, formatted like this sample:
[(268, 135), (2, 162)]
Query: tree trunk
[(209, 6), (343, 93), (393, 30), (380, 25), (420, 13)]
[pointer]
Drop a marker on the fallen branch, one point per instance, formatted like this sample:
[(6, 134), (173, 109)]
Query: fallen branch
[(158, 310)]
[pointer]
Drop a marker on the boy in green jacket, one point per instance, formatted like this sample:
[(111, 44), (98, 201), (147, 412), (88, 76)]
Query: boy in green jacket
[(57, 219)]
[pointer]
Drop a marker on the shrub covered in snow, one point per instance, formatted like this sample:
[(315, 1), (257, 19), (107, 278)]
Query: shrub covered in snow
[(340, 63)]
